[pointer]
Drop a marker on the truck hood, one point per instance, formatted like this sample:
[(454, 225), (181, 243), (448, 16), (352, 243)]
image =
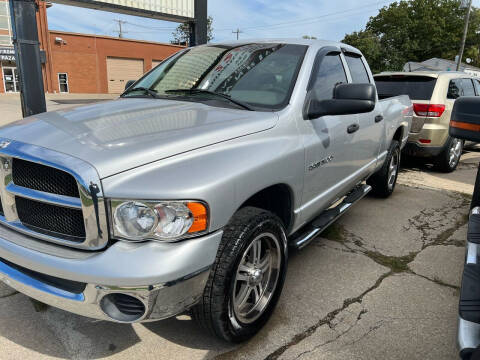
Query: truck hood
[(122, 134)]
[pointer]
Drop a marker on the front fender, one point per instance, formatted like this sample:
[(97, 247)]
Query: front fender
[(224, 175)]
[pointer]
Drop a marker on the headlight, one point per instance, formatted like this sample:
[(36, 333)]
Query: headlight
[(167, 221)]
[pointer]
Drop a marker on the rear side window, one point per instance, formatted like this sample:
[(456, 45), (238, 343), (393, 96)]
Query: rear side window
[(330, 74), (455, 89), (477, 86), (460, 87), (357, 69), (416, 87), (468, 89)]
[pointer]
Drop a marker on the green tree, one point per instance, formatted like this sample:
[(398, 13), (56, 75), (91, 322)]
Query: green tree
[(181, 35), (416, 30)]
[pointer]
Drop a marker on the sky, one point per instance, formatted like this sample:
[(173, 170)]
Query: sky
[(329, 20)]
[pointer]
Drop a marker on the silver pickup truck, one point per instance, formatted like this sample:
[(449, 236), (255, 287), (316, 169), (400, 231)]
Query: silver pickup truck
[(187, 191)]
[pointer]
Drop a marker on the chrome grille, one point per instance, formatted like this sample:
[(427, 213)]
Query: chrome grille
[(50, 219), (43, 178), (51, 196)]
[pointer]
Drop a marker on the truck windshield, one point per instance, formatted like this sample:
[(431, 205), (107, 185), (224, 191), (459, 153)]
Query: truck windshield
[(255, 75), (417, 87)]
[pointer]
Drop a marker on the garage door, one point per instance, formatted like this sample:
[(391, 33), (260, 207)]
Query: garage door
[(119, 71), (155, 63)]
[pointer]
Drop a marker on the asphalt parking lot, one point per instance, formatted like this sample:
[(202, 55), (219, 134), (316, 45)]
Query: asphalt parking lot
[(381, 283)]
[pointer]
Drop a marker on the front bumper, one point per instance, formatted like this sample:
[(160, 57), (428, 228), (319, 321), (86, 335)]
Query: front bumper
[(166, 278)]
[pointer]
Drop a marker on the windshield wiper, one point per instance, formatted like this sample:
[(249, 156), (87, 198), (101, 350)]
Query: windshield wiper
[(146, 91), (208, 92)]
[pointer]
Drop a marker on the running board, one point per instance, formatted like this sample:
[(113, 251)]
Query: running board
[(329, 216)]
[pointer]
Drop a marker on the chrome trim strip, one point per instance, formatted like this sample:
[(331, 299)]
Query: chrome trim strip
[(94, 212), (473, 250), (468, 336), (10, 273), (53, 199)]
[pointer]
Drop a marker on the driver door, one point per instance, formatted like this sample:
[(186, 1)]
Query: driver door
[(328, 146)]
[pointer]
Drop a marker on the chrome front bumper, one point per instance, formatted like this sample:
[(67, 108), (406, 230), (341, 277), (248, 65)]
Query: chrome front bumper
[(166, 278)]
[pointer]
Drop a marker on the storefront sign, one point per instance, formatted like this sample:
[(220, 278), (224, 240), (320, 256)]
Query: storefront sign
[(7, 54)]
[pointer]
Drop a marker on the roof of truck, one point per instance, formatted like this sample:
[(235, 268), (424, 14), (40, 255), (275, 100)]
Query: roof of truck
[(308, 42), (435, 74)]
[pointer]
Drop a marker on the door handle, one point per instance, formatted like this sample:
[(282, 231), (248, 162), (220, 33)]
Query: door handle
[(378, 118), (352, 128)]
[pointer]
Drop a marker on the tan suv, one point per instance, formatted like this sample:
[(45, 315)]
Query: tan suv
[(433, 95)]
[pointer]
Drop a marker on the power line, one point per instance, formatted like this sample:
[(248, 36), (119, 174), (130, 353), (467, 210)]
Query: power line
[(317, 18), (149, 27)]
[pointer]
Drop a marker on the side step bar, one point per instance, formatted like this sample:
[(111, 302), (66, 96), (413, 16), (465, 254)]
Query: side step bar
[(329, 216)]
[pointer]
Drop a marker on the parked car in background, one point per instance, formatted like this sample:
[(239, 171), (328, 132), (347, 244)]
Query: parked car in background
[(433, 95), (186, 193)]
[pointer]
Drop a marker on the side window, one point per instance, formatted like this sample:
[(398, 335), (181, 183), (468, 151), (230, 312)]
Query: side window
[(477, 86), (468, 89), (330, 74), (357, 69), (455, 89)]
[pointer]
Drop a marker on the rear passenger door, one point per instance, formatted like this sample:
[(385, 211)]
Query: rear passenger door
[(368, 138)]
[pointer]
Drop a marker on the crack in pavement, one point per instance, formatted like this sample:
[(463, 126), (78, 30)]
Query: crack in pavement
[(327, 320), (396, 265)]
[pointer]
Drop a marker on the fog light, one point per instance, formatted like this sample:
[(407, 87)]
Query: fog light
[(122, 307)]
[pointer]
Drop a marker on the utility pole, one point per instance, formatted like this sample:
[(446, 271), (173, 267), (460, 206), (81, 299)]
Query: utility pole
[(465, 32), (238, 32), (120, 30)]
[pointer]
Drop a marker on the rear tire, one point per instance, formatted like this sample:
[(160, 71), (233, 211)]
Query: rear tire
[(247, 277), (384, 180), (449, 158)]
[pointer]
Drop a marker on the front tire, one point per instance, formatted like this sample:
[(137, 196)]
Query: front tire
[(247, 277), (449, 158), (383, 181)]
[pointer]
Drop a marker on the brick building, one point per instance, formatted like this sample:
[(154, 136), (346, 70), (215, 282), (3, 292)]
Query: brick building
[(80, 63)]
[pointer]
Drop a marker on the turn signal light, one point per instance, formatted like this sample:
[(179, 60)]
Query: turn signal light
[(200, 216), (465, 126), (429, 110)]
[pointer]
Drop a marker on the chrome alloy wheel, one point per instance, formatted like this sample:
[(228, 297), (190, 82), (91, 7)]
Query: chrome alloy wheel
[(454, 152), (393, 169), (256, 278)]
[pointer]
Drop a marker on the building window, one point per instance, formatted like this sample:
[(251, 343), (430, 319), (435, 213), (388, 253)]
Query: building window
[(63, 82), (5, 40), (4, 21)]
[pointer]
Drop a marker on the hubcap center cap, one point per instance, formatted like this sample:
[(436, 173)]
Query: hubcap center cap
[(255, 277)]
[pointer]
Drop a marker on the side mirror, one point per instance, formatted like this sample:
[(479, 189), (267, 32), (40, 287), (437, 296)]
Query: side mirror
[(129, 83), (347, 99), (465, 119)]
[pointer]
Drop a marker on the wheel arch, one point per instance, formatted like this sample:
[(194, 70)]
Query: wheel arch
[(399, 134), (277, 199)]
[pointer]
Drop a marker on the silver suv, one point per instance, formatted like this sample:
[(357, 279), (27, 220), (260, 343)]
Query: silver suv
[(433, 95)]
